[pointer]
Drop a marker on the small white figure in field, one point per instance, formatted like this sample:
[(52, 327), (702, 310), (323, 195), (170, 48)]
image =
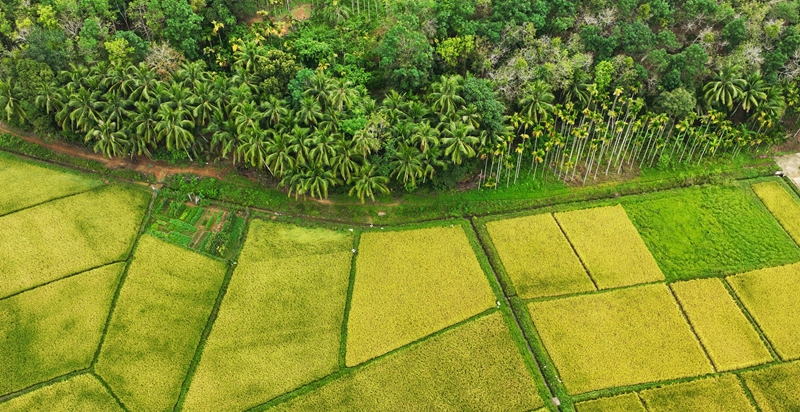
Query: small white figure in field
[(351, 229), (354, 251), (498, 303)]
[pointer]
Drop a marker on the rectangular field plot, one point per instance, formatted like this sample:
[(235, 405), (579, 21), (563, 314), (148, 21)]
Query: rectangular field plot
[(409, 284), (54, 329), (537, 257), (725, 332), (26, 184), (710, 231), (68, 236), (772, 296), (777, 388), (160, 314), (722, 394), (618, 338), (475, 367), (628, 402), (280, 323), (609, 246), (782, 205), (80, 393)]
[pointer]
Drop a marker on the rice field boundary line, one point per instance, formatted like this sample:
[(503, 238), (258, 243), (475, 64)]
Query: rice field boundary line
[(59, 279), (311, 386), (110, 392), (594, 292), (49, 200), (212, 318), (641, 401), (61, 378), (764, 339), (575, 251), (348, 302), (748, 393), (520, 329), (691, 327), (619, 390), (131, 252)]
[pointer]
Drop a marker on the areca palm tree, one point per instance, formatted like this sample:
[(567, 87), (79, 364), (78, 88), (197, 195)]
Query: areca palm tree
[(408, 163), (108, 139), (175, 127), (725, 88), (459, 142), (446, 95), (367, 183)]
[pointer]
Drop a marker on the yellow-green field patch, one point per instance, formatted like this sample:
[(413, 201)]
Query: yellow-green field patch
[(537, 257), (475, 367), (82, 393), (54, 329), (280, 323), (628, 402), (157, 322), (618, 338), (722, 394), (782, 205), (68, 236), (772, 296), (727, 335), (26, 184), (609, 246), (410, 284), (777, 388)]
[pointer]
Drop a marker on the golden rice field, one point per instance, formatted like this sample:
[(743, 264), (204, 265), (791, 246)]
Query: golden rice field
[(537, 257), (501, 314), (409, 284)]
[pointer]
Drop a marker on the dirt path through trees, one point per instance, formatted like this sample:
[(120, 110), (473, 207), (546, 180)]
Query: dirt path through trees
[(161, 170)]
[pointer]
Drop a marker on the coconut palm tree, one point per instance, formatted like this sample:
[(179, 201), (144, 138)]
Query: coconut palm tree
[(407, 162), (445, 95), (175, 127), (49, 98), (537, 102), (754, 93), (426, 136), (82, 110), (279, 157), (725, 88), (275, 110), (108, 139), (459, 141), (366, 183)]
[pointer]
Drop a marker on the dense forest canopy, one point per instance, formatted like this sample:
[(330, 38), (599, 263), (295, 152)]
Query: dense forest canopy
[(370, 95)]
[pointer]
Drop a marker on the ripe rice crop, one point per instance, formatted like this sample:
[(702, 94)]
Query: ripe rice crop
[(782, 205), (618, 338), (280, 323), (410, 284), (725, 332), (26, 184), (162, 308), (609, 246), (68, 236), (710, 231), (722, 394), (772, 296), (80, 393), (537, 257), (628, 402), (476, 366), (54, 329), (777, 388)]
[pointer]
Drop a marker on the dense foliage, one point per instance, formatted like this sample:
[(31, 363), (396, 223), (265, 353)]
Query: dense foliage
[(398, 93)]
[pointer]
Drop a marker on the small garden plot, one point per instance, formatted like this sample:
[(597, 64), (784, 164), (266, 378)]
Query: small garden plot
[(410, 284), (777, 388), (207, 229), (26, 184), (609, 246), (772, 296), (628, 402), (618, 338), (726, 334), (68, 236), (157, 322), (476, 366), (80, 393), (722, 394), (782, 205), (710, 231), (537, 257), (54, 329), (280, 323)]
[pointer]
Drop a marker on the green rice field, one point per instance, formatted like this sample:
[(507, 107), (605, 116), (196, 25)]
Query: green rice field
[(680, 300)]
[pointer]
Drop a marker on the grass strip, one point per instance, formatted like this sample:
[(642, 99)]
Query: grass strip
[(722, 328), (157, 322)]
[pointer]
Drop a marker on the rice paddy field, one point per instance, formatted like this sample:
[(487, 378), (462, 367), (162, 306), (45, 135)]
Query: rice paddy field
[(116, 298)]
